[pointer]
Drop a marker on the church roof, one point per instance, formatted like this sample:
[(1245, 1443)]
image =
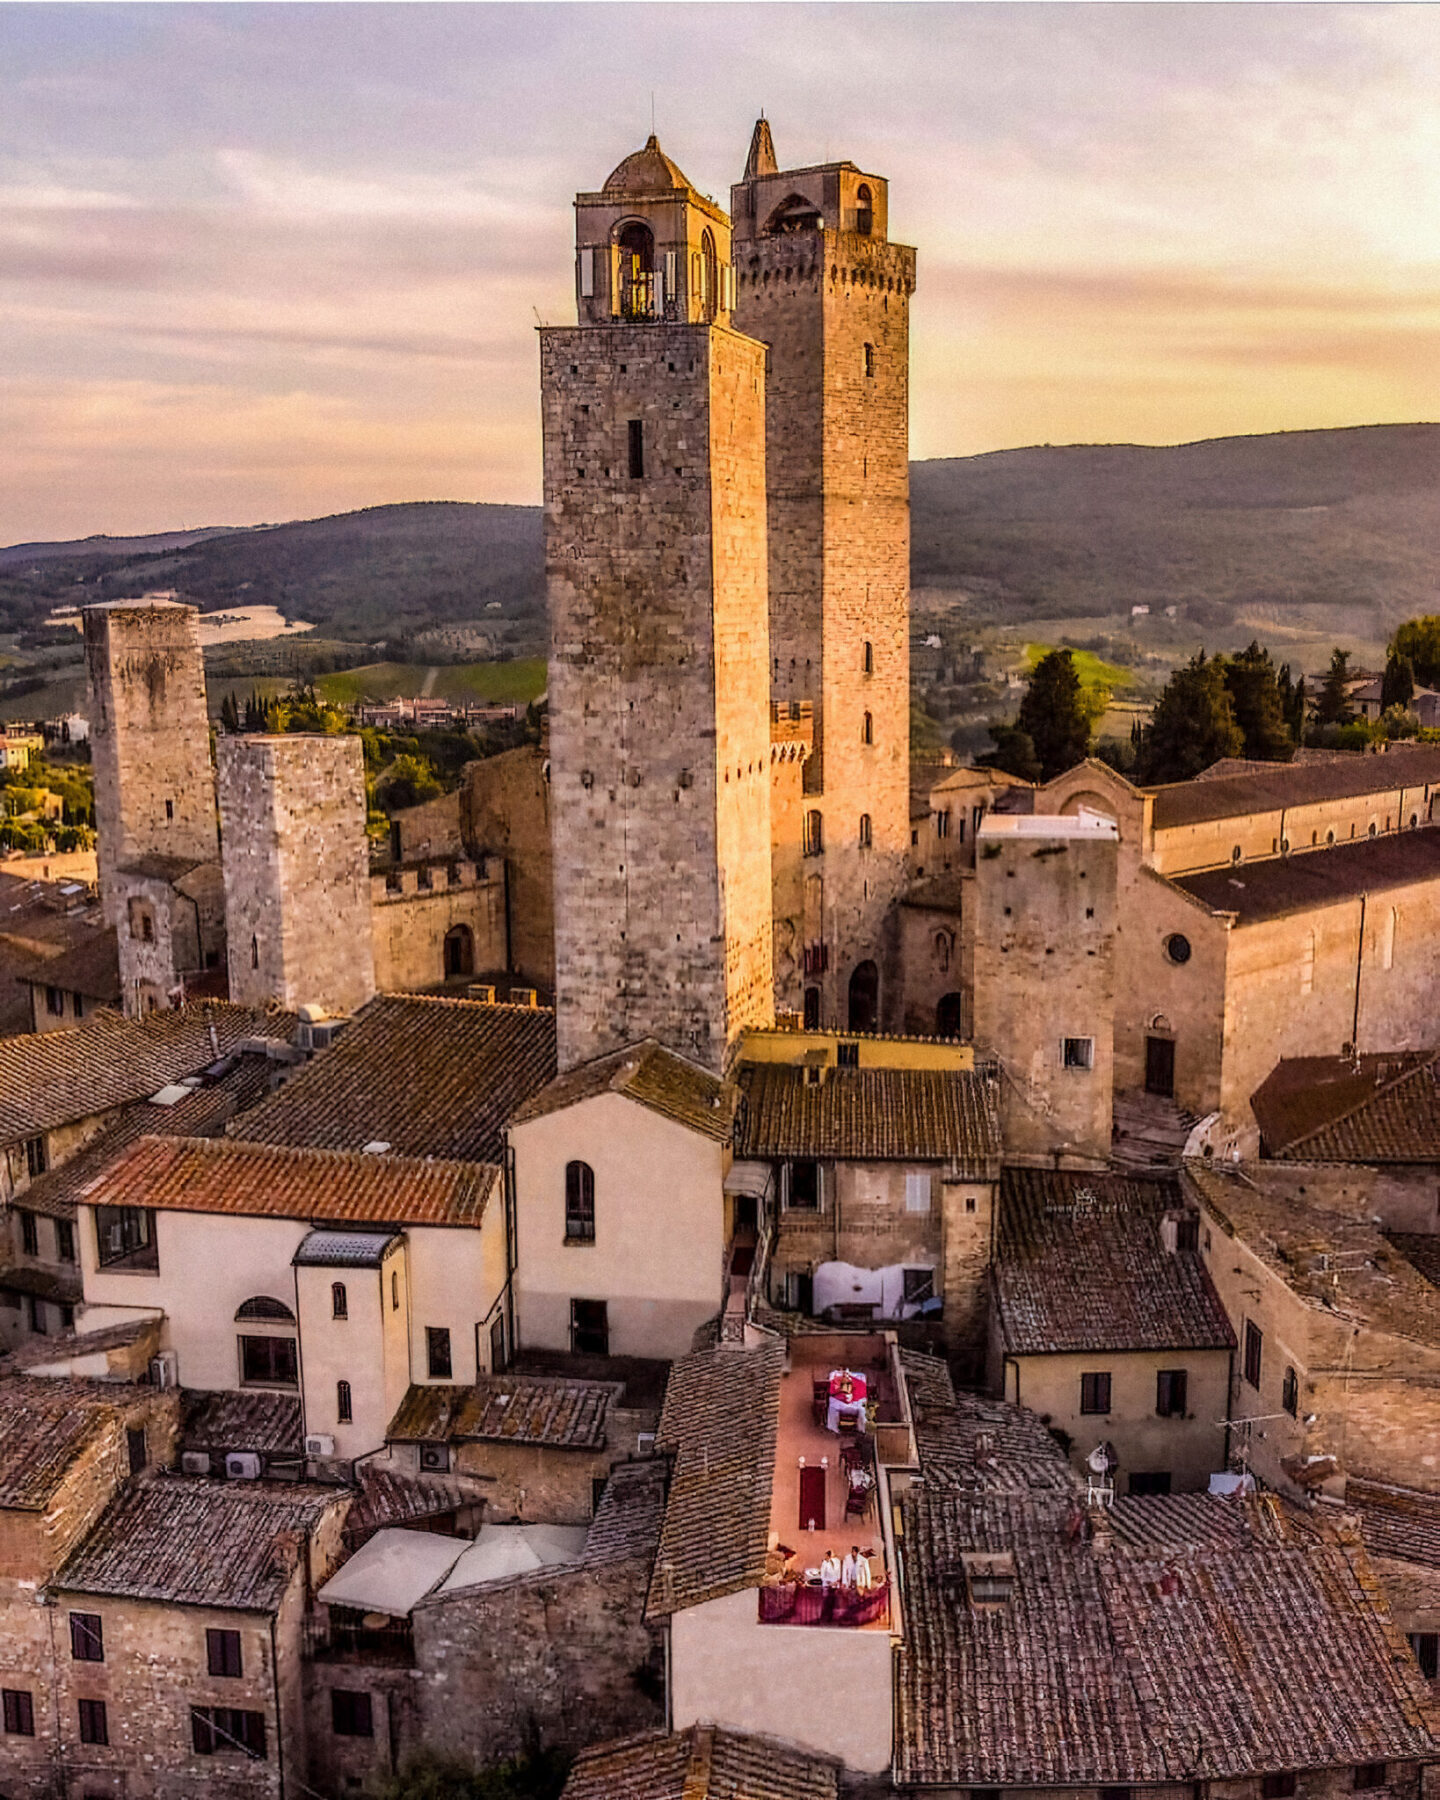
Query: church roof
[(647, 171)]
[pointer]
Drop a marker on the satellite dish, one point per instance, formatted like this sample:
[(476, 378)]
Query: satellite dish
[(1098, 1461)]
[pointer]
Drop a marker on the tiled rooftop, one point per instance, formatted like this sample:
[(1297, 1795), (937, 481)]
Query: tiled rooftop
[(1372, 1109), (269, 1424), (975, 1444), (627, 1521), (1397, 1522), (223, 1175), (703, 1763), (719, 1424), (1257, 891), (1080, 1266), (41, 1435), (1168, 1655), (949, 1116), (652, 1076), (428, 1076), (510, 1408), (1301, 783), (194, 1542), (60, 1076)]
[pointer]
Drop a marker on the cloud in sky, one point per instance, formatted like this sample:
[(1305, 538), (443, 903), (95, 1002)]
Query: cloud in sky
[(257, 262)]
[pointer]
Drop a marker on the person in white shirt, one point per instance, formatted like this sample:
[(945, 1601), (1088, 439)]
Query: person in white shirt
[(855, 1571), (829, 1570)]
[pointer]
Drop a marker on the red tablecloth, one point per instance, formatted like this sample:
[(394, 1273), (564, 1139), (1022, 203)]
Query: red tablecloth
[(838, 1379)]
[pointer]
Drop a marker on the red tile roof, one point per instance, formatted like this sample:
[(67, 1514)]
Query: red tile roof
[(219, 1175)]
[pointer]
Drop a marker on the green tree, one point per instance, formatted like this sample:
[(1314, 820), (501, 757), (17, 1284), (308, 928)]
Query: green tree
[(1056, 715), (1193, 724), (229, 713), (1333, 706), (1014, 752), (1397, 686), (1259, 704), (1419, 640), (407, 782)]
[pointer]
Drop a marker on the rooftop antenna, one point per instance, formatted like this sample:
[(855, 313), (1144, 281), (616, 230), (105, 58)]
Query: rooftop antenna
[(652, 112)]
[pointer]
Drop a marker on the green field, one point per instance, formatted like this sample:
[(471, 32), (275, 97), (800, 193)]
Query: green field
[(503, 683), (1092, 670)]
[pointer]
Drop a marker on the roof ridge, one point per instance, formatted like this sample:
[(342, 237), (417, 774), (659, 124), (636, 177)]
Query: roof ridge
[(1343, 1118), (223, 1147)]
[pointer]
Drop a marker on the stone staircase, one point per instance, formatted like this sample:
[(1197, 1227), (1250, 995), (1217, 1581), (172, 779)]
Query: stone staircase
[(1149, 1133)]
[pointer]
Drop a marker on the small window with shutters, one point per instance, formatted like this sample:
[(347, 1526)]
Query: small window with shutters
[(87, 1637), (19, 1713), (917, 1192), (339, 1301), (222, 1652), (344, 1411)]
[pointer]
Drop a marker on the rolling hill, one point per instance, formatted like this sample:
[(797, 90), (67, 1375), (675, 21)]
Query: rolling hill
[(1329, 529)]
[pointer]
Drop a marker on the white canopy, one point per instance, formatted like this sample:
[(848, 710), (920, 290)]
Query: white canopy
[(501, 1551), (393, 1570)]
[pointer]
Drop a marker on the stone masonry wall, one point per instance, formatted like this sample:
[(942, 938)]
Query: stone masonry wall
[(150, 738), (297, 879), (660, 753), (834, 309), (410, 920)]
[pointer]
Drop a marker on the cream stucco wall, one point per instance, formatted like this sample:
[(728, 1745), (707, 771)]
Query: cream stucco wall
[(1189, 1449), (364, 1348), (659, 1226), (826, 1690), (455, 1279)]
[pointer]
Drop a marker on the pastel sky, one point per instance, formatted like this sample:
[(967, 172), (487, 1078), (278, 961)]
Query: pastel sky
[(265, 262)]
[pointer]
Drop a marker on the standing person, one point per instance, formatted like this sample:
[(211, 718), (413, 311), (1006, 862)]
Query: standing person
[(829, 1570)]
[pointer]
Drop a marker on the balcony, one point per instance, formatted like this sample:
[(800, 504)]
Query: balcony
[(351, 1640)]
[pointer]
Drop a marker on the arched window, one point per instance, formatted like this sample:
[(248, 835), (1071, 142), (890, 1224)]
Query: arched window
[(865, 997), (949, 1017), (864, 831), (339, 1301), (344, 1411), (864, 210), (709, 277), (814, 833), (942, 952), (264, 1307), (636, 296), (869, 660), (812, 1009), (795, 214), (867, 729), (459, 950), (579, 1203), (254, 953)]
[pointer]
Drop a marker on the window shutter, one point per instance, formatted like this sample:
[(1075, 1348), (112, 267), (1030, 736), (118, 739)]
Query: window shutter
[(669, 284), (615, 280), (587, 274), (917, 1192)]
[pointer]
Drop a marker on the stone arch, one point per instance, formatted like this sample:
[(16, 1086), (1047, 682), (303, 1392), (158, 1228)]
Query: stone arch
[(794, 213), (950, 1016), (459, 950), (864, 997)]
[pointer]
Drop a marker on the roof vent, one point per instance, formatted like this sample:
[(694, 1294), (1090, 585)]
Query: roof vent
[(376, 1147), (989, 1578)]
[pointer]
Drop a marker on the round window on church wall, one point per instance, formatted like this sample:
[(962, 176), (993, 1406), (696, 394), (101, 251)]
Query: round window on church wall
[(1177, 948)]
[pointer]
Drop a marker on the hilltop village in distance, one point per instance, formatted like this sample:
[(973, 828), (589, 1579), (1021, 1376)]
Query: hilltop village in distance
[(712, 1274)]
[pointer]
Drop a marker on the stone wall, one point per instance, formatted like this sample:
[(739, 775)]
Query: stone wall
[(660, 738), (150, 738), (506, 813), (413, 910), (297, 878), (936, 930)]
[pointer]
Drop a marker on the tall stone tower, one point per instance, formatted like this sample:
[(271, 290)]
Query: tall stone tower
[(150, 739), (819, 282), (297, 871), (654, 426)]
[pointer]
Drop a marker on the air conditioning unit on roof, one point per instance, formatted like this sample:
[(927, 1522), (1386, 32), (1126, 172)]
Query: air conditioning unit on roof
[(320, 1445), (165, 1370), (195, 1462), (242, 1465)]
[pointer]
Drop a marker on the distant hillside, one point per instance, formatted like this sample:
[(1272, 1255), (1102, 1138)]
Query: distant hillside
[(1342, 527), (1345, 520)]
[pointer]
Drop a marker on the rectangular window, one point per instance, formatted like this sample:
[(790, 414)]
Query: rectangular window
[(590, 1327), (579, 1203), (222, 1652), (94, 1726), (847, 1056), (135, 1449), (125, 1237), (55, 1002), (29, 1234), (1153, 1481), (1254, 1345), (636, 434), (918, 1286), (1170, 1393), (869, 359), (87, 1637), (36, 1161), (64, 1240), (19, 1713), (1187, 1232), (437, 1351), (917, 1192), (942, 824), (1276, 1787), (351, 1714), (1426, 1645), (1078, 1053), (804, 1187), (1095, 1393), (269, 1362), (222, 1730), (1370, 1775)]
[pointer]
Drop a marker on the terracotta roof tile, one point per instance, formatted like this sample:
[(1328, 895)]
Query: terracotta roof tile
[(1080, 1266), (1374, 1109), (703, 1763), (719, 1423), (89, 965), (426, 1075), (884, 1115), (1396, 1522), (627, 1521), (194, 1542), (652, 1076), (1172, 1654), (400, 1496), (503, 1409), (221, 1175), (268, 1424), (60, 1076), (972, 1443), (1300, 783), (40, 1437), (1257, 891)]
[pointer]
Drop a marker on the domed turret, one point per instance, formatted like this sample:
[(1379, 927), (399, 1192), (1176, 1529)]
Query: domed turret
[(647, 171)]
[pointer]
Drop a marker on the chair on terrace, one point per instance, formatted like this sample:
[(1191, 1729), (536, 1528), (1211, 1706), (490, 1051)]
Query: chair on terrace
[(820, 1400)]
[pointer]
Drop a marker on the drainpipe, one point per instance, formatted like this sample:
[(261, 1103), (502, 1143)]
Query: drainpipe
[(1359, 967)]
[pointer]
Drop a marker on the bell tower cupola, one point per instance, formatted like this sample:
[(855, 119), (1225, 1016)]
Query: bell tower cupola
[(650, 249)]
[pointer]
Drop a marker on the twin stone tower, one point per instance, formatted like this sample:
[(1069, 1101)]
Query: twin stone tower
[(727, 563)]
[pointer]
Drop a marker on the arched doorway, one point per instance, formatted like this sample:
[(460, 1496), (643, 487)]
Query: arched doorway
[(949, 1017), (812, 1009), (865, 997), (709, 277), (637, 270), (459, 951)]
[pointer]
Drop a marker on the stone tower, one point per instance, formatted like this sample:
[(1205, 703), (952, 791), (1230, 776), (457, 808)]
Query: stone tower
[(150, 739), (819, 282), (297, 871), (654, 426)]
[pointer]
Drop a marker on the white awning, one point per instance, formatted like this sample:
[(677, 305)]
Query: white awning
[(502, 1551), (393, 1570), (753, 1179)]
